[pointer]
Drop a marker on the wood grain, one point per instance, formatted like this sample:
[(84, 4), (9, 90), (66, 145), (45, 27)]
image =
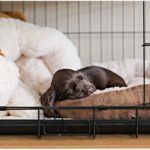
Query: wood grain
[(101, 141)]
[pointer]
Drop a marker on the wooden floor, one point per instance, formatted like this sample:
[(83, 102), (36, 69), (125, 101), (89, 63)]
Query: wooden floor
[(101, 141)]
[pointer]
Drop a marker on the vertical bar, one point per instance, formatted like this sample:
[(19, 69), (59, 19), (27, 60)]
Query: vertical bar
[(79, 39), (39, 126), (56, 15), (112, 36), (12, 6), (137, 123), (0, 6), (144, 52), (23, 7), (89, 125), (90, 44), (93, 122), (133, 29), (44, 130), (45, 12), (101, 46), (67, 19), (123, 30), (34, 14)]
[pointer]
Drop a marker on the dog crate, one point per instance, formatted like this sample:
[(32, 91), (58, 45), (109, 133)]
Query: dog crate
[(92, 127)]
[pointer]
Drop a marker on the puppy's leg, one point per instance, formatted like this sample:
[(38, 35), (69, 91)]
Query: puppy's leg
[(117, 83), (48, 99)]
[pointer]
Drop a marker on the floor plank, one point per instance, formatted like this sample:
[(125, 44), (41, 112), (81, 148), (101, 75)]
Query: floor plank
[(101, 141)]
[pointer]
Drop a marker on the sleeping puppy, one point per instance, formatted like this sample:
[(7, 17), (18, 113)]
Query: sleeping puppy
[(70, 84), (66, 84)]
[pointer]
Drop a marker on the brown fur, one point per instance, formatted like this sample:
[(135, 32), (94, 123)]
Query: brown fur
[(2, 53), (13, 14)]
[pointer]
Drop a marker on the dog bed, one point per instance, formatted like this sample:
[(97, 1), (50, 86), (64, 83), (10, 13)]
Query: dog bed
[(131, 96)]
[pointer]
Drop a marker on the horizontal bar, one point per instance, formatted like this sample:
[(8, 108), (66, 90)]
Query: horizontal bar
[(108, 32), (101, 107), (146, 44)]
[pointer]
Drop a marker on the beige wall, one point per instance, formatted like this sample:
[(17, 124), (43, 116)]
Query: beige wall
[(100, 18)]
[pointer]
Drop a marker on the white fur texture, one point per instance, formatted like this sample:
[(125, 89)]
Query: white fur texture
[(65, 57), (131, 82), (58, 51), (24, 96), (34, 73), (17, 37), (9, 75), (9, 39), (127, 69)]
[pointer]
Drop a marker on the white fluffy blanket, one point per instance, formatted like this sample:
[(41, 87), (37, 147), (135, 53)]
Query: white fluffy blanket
[(38, 53)]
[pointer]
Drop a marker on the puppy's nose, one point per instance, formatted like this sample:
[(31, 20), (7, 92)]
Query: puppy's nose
[(91, 90)]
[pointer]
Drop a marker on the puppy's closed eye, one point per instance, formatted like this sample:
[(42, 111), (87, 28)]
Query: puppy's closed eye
[(72, 85)]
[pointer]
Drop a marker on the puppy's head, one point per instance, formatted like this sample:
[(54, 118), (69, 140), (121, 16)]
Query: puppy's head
[(78, 87)]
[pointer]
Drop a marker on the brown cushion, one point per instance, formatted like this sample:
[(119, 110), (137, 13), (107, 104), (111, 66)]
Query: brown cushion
[(130, 96)]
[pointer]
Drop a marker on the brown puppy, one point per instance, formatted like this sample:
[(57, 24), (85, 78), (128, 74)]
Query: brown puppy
[(70, 84), (66, 84)]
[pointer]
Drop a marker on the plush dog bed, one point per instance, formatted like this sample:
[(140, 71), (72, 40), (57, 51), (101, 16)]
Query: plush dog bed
[(121, 97)]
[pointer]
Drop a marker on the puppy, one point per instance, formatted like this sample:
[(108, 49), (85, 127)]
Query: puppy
[(70, 84), (66, 84)]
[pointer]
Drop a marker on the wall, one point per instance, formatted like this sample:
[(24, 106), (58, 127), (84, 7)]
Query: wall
[(100, 30)]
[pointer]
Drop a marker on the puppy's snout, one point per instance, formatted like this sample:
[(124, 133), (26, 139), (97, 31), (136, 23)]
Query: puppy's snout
[(92, 89)]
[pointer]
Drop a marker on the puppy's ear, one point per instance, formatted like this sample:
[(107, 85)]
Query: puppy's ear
[(48, 99), (72, 85), (80, 77)]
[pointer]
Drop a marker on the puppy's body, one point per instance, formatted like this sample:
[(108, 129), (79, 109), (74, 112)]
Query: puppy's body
[(70, 84), (102, 78)]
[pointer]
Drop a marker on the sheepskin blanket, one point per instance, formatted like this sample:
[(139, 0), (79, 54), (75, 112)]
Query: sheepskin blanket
[(32, 55), (9, 76), (45, 51)]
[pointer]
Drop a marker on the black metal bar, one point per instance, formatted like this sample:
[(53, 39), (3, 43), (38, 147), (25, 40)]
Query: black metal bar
[(3, 108), (123, 29), (89, 127), (62, 126), (107, 32), (94, 131), (68, 18), (44, 126), (144, 39), (137, 123), (101, 46), (90, 39), (112, 36), (146, 44), (56, 14), (39, 125), (79, 33), (101, 107), (134, 29)]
